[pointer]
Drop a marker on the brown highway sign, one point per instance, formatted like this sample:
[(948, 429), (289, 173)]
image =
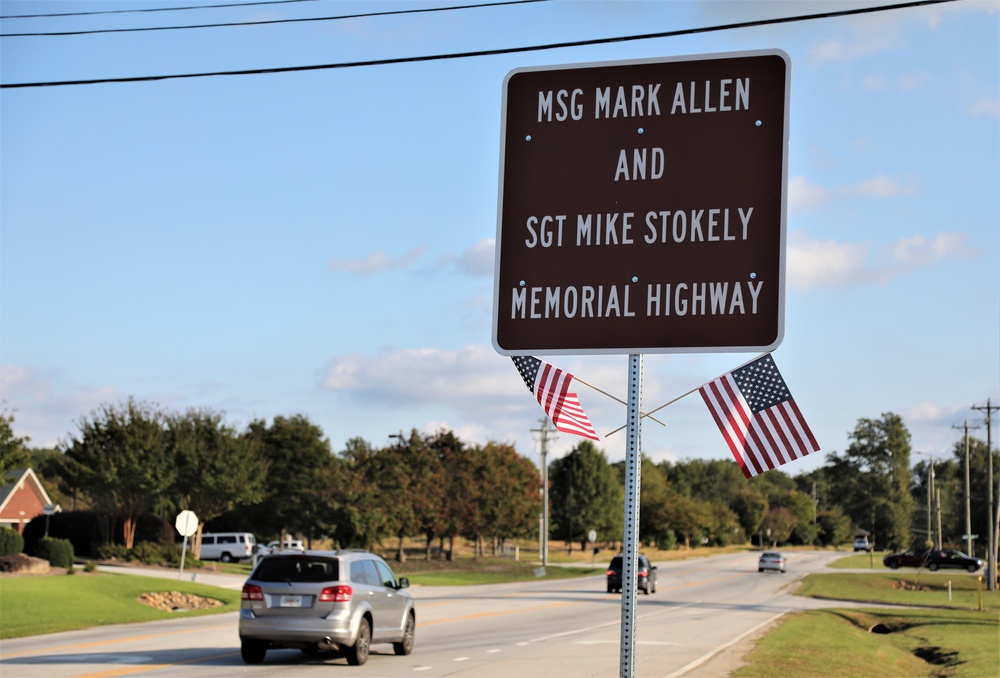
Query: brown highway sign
[(642, 206)]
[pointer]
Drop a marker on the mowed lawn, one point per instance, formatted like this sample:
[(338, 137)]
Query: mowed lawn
[(32, 605), (942, 637)]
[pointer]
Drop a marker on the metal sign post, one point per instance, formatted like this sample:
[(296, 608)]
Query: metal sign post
[(633, 471)]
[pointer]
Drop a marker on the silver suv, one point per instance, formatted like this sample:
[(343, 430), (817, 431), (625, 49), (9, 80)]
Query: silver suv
[(325, 600)]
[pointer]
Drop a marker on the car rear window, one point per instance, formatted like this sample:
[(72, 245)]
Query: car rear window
[(298, 569), (616, 563)]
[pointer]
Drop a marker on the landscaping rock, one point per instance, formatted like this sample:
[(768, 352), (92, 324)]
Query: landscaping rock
[(24, 564), (174, 601)]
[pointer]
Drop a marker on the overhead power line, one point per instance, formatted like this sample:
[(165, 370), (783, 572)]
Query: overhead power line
[(480, 53), (152, 9), (265, 22)]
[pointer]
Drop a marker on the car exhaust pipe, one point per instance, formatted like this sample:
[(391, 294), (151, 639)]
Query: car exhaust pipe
[(328, 640)]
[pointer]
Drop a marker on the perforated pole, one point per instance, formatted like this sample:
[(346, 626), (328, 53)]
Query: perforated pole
[(633, 471)]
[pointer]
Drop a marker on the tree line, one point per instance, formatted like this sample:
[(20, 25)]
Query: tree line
[(282, 477)]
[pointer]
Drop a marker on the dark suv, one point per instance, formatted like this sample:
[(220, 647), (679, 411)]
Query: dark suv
[(645, 575), (325, 600)]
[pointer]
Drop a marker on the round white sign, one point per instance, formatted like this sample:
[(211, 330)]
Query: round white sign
[(186, 523), (592, 536)]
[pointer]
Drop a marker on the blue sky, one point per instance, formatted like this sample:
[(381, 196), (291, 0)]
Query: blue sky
[(322, 242)]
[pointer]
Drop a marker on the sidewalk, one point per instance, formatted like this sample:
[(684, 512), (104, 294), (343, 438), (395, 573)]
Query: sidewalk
[(225, 581)]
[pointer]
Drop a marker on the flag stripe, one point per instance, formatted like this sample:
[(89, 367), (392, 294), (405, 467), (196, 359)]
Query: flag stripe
[(757, 417), (550, 386)]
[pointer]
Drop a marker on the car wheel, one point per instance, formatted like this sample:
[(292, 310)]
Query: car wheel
[(253, 651), (357, 654), (611, 589), (226, 558), (653, 588), (972, 568), (933, 567), (405, 646), (760, 569), (894, 565)]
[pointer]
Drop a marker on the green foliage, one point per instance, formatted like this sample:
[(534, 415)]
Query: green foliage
[(59, 552), (217, 468), (585, 495), (834, 527), (13, 453), (112, 552), (121, 459), (11, 543), (148, 552)]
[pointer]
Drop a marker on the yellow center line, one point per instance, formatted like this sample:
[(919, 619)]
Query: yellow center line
[(114, 641), (151, 667)]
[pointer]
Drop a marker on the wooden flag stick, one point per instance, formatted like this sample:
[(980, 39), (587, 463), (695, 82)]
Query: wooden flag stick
[(645, 414)]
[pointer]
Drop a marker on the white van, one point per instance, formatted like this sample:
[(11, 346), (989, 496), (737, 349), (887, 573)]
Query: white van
[(227, 546)]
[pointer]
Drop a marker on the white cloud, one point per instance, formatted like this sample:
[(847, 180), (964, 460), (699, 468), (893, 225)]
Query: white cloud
[(813, 263), (880, 186), (478, 259), (828, 263), (909, 82), (985, 108), (41, 413), (804, 196), (377, 262), (873, 83), (918, 250)]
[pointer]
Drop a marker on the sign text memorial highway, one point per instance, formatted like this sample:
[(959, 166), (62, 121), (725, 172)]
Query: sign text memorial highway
[(642, 206)]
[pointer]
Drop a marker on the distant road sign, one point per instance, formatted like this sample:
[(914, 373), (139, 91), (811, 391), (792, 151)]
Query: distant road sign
[(642, 206), (186, 523)]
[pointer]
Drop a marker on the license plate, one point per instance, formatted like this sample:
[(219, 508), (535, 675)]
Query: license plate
[(291, 601)]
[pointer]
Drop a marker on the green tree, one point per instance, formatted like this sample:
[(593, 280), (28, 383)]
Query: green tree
[(121, 459), (13, 453), (507, 492), (778, 525), (750, 506), (297, 454), (217, 468), (834, 527), (872, 478), (585, 495), (951, 479)]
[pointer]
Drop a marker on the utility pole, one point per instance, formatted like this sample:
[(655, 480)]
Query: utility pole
[(991, 558), (544, 545)]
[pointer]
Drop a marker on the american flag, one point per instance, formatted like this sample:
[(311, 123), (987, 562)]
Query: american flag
[(758, 417), (550, 386)]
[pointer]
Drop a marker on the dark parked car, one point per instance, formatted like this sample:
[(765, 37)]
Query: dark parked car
[(932, 560), (645, 575)]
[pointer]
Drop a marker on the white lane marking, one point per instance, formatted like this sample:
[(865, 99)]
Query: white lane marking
[(708, 655), (616, 622), (460, 659), (494, 651), (422, 668)]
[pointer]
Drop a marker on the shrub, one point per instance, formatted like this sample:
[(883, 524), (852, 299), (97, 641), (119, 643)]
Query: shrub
[(59, 552), (148, 552), (90, 566), (111, 552), (11, 543)]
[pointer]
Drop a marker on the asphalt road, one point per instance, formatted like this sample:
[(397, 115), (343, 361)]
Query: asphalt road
[(539, 628)]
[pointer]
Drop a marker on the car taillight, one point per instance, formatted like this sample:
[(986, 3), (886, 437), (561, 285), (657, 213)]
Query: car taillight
[(609, 572), (252, 592), (336, 594), (643, 573)]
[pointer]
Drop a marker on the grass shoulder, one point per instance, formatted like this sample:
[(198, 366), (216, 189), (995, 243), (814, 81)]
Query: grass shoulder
[(936, 630), (34, 605)]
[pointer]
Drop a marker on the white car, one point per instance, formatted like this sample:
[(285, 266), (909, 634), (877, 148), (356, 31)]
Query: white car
[(771, 560), (288, 545), (862, 544)]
